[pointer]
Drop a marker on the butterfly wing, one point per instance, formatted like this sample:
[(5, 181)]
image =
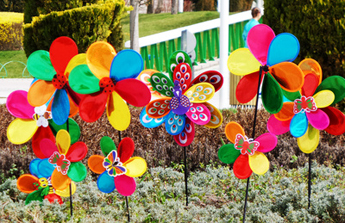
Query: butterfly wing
[(54, 158), (162, 84), (253, 146)]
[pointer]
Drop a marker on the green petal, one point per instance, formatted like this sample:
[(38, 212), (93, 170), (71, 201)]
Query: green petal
[(336, 84), (107, 145), (162, 84), (74, 130), (77, 171), (228, 154), (39, 65), (176, 58), (292, 96), (82, 80), (34, 196), (272, 94)]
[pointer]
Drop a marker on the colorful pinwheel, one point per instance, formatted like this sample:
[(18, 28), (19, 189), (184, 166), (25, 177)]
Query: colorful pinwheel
[(310, 111), (185, 101), (51, 71), (246, 154), (108, 80), (117, 168), (270, 54)]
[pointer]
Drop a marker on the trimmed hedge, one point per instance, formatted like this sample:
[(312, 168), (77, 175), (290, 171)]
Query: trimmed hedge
[(11, 34)]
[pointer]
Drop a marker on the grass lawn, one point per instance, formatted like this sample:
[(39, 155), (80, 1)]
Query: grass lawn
[(14, 69)]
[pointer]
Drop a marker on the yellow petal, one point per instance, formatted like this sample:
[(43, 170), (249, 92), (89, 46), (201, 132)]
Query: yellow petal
[(200, 93), (75, 61), (118, 112), (324, 98), (65, 192), (309, 141), (63, 141), (21, 130), (259, 163), (216, 116), (242, 62), (136, 166)]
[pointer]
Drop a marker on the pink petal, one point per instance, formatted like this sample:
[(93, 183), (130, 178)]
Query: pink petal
[(199, 114), (276, 126), (17, 104), (134, 92), (318, 119), (268, 142), (125, 185), (48, 147)]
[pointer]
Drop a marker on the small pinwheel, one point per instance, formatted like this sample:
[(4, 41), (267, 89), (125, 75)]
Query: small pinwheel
[(51, 87), (246, 154), (117, 168), (310, 111), (272, 55), (185, 101), (62, 160), (108, 80)]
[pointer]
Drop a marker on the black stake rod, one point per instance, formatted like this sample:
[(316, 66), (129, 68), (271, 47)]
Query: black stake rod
[(185, 174), (253, 135), (128, 215), (70, 186), (309, 181)]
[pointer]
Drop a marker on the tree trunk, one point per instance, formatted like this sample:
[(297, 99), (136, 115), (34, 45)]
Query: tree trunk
[(150, 7), (134, 26), (173, 7)]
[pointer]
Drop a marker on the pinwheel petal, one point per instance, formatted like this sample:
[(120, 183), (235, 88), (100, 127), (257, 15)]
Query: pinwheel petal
[(40, 93), (77, 171), (145, 77), (212, 77), (60, 107), (91, 107), (95, 163), (125, 185), (17, 104), (245, 94), (336, 121), (107, 145), (149, 122), (48, 147), (60, 181), (259, 39), (41, 133), (200, 93), (176, 58), (318, 119), (63, 141), (45, 168), (309, 141), (199, 114), (174, 123), (125, 149), (276, 126), (299, 125), (99, 57), (259, 163), (216, 116), (77, 152), (126, 64), (242, 62), (134, 92), (324, 98), (336, 84), (268, 142), (136, 166), (158, 108), (73, 129), (284, 47), (21, 130), (61, 51), (286, 113), (118, 112), (77, 60), (83, 81), (39, 65), (272, 95), (241, 167), (33, 167), (162, 84), (106, 183), (311, 81), (66, 192), (185, 138), (232, 129), (311, 66), (228, 154), (291, 96), (288, 75), (25, 183)]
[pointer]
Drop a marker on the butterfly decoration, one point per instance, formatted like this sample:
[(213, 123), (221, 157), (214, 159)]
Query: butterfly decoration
[(117, 169), (108, 81), (51, 87), (309, 110), (183, 101), (42, 116), (60, 161), (247, 155), (273, 55)]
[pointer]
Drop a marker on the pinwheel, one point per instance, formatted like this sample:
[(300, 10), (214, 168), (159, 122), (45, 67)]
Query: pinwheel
[(107, 80), (117, 168), (310, 111), (185, 101), (246, 154), (272, 55), (51, 71)]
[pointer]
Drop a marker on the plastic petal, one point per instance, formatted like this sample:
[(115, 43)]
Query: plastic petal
[(62, 50), (125, 185), (228, 154), (60, 107), (272, 95), (136, 166), (95, 163), (336, 84), (41, 133), (63, 141), (311, 66), (65, 192), (106, 183), (25, 183), (176, 58), (162, 84), (145, 76), (309, 141), (33, 167), (286, 113), (291, 96), (247, 87), (60, 181), (118, 112), (21, 130), (311, 81), (125, 149), (185, 138), (199, 114), (318, 119), (74, 130), (107, 145), (158, 108), (48, 147), (126, 64), (77, 152), (259, 163), (284, 47), (34, 196), (74, 62), (241, 167), (83, 81), (268, 142), (232, 129), (45, 168), (174, 124), (200, 93), (276, 126), (336, 121), (243, 62), (133, 92), (211, 76), (39, 65), (17, 104), (149, 122), (92, 107), (288, 75), (40, 93), (216, 116), (77, 171), (323, 98), (299, 125)]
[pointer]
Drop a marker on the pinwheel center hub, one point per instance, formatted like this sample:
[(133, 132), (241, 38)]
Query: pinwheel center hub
[(107, 85), (305, 104), (113, 165), (60, 162), (245, 145), (59, 81), (265, 68), (180, 103), (43, 182)]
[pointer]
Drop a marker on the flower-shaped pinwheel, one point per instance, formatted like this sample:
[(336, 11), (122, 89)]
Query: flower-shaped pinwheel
[(51, 87), (117, 168), (108, 80), (62, 160), (33, 123), (270, 54), (185, 101), (310, 111), (246, 154)]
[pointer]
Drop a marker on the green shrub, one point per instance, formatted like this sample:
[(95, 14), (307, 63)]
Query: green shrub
[(11, 34)]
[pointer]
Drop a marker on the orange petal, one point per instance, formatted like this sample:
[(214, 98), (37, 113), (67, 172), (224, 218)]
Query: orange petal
[(232, 129), (289, 76), (286, 113), (25, 183), (40, 93), (95, 163), (311, 66), (60, 181)]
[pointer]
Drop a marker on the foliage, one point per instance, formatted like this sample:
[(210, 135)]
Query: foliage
[(11, 35), (240, 5), (205, 5), (12, 5)]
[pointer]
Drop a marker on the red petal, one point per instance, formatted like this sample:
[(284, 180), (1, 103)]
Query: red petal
[(247, 88), (92, 106), (41, 133), (134, 92), (77, 152), (186, 137), (61, 51), (336, 121), (311, 81), (241, 167), (126, 149)]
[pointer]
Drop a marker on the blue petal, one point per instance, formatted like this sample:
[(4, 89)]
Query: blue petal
[(148, 122), (174, 124), (284, 47), (299, 125), (106, 183), (60, 107), (34, 167), (126, 64), (45, 168)]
